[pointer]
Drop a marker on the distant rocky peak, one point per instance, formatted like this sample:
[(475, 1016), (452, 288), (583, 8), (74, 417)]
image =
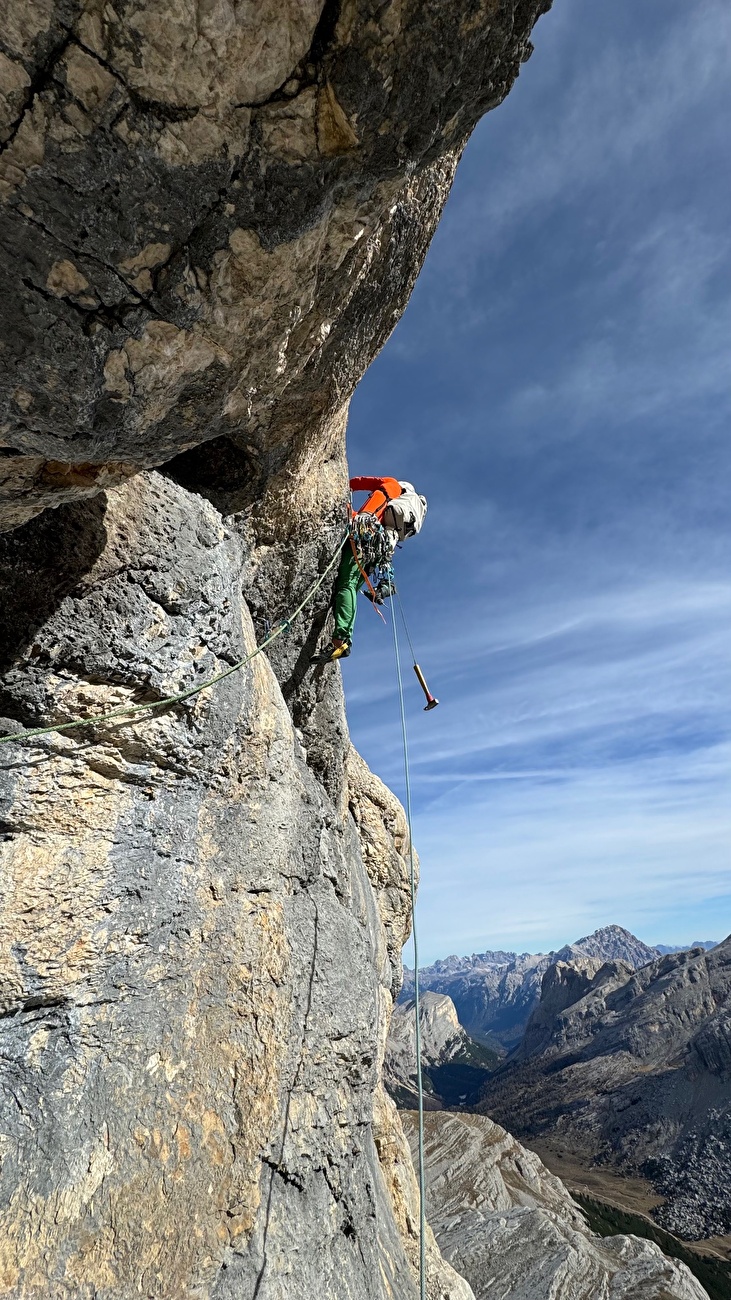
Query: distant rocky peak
[(612, 943), (454, 965), (565, 982)]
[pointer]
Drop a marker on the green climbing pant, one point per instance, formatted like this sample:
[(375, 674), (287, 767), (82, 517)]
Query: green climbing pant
[(345, 601)]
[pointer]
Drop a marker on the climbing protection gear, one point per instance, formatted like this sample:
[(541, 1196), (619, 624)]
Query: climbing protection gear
[(373, 546), (366, 560), (129, 710), (417, 991), (383, 585)]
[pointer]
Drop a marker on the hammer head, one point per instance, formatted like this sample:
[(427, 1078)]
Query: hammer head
[(433, 702)]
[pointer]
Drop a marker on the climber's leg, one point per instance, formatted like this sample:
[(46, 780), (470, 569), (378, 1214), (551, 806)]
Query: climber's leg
[(345, 601)]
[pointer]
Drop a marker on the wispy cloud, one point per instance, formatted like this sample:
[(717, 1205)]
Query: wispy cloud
[(546, 861), (664, 343), (593, 676), (594, 120)]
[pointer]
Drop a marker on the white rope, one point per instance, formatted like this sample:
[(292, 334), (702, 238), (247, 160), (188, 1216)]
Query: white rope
[(417, 1002)]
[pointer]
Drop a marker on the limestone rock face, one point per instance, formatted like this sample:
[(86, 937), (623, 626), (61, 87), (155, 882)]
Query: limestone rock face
[(442, 1038), (441, 1033), (197, 958), (511, 1228), (212, 217), (454, 1066)]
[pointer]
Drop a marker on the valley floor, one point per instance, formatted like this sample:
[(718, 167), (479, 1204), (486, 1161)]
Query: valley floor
[(631, 1195)]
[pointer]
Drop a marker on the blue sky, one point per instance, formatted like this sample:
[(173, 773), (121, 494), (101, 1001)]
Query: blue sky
[(559, 387)]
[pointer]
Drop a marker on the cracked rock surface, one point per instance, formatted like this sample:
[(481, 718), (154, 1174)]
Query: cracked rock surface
[(199, 946)]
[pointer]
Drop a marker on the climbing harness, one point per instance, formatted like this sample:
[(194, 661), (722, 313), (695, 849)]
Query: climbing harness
[(417, 997), (371, 550), (129, 710)]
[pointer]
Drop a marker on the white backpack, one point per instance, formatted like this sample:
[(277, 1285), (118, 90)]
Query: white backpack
[(405, 514)]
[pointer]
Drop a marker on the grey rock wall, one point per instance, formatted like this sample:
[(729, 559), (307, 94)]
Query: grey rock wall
[(198, 958)]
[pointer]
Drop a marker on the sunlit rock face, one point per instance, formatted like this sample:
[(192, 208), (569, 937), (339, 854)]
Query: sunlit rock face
[(511, 1228), (199, 945), (212, 217), (633, 1069), (442, 1036)]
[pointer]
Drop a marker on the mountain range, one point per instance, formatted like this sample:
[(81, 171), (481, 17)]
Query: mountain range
[(495, 992), (632, 1068), (616, 1050)]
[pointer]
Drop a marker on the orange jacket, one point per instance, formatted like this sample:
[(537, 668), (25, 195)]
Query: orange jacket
[(382, 491)]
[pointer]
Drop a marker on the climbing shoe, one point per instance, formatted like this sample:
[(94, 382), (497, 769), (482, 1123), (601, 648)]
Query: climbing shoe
[(337, 649)]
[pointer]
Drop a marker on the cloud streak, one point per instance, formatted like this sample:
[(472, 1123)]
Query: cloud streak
[(596, 121)]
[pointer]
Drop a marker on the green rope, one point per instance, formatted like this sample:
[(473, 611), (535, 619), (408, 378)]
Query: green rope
[(417, 995), (129, 709)]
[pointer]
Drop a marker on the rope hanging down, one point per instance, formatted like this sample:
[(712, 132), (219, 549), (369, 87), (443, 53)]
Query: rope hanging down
[(417, 998), (128, 710)]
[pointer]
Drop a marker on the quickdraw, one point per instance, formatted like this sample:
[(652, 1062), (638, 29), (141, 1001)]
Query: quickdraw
[(371, 542)]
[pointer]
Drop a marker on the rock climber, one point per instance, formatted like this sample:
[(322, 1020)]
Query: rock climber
[(393, 512)]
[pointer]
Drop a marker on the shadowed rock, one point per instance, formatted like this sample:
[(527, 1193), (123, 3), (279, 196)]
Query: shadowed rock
[(211, 221)]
